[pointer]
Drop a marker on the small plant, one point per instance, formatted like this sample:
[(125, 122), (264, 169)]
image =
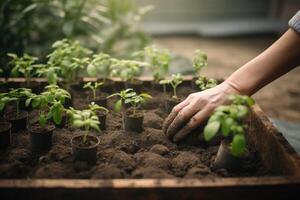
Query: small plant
[(15, 95), (85, 119), (50, 104), (199, 61), (95, 107), (176, 80), (127, 70), (124, 94), (48, 71), (23, 66), (70, 57), (158, 59), (100, 66), (93, 86), (228, 120), (205, 83)]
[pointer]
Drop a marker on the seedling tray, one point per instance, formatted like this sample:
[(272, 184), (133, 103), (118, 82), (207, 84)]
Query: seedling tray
[(276, 154)]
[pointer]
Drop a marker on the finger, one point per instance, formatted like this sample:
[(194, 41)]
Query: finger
[(194, 122), (182, 117), (173, 114)]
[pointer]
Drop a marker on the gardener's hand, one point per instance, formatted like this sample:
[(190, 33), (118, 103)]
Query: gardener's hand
[(194, 110)]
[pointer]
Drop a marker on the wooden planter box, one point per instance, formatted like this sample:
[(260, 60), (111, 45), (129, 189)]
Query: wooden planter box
[(276, 153)]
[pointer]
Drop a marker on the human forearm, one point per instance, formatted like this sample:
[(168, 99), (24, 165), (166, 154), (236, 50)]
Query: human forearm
[(277, 60)]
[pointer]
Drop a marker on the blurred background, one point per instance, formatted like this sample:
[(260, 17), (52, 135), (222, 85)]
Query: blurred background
[(231, 32)]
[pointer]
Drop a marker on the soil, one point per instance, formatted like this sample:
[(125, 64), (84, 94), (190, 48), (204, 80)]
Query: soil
[(149, 154), (90, 141)]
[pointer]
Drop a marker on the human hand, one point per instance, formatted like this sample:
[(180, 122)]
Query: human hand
[(194, 110)]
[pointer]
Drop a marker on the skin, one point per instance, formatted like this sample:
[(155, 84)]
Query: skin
[(277, 60)]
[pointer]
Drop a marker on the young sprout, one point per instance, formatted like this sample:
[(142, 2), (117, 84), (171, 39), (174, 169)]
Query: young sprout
[(124, 94), (127, 70), (158, 59), (205, 83), (50, 104), (15, 95), (176, 80), (95, 107), (70, 57), (48, 71), (23, 66), (199, 61), (100, 65), (93, 86), (229, 121), (136, 100), (85, 119)]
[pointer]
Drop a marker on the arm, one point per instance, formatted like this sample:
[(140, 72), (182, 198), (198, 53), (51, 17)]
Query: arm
[(277, 60)]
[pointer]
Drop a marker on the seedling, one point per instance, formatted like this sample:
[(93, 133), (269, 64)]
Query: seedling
[(205, 83), (123, 95), (100, 65), (48, 71), (136, 100), (94, 107), (176, 80), (70, 57), (158, 59), (50, 104), (228, 120), (93, 86), (199, 61), (23, 66), (127, 70), (85, 119), (14, 96)]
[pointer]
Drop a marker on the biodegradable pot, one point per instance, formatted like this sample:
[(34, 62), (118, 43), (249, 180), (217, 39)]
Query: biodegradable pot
[(5, 135), (224, 159), (18, 123), (41, 137), (85, 151), (102, 118), (133, 122), (170, 103)]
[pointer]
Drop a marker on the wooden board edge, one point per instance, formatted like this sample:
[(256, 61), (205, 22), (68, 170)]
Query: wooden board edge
[(149, 183)]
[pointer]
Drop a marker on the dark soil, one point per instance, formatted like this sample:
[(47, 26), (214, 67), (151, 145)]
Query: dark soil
[(149, 154)]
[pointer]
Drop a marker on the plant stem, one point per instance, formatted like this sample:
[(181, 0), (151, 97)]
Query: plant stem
[(174, 92), (165, 89), (94, 93)]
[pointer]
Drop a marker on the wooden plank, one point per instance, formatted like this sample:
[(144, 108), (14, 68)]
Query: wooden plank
[(276, 152)]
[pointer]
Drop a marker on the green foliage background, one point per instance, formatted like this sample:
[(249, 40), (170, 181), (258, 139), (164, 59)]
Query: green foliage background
[(32, 26)]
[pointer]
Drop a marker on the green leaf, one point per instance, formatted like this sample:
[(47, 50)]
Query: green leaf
[(42, 120), (36, 102), (56, 114), (238, 145), (118, 106), (242, 111), (226, 126), (27, 102), (211, 130)]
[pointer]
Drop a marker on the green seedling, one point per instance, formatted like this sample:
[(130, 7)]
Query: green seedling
[(95, 107), (48, 71), (50, 104), (15, 95), (23, 66), (100, 66), (85, 119), (228, 120), (93, 86), (199, 61), (205, 83), (127, 70), (70, 57), (123, 95), (158, 59), (176, 80)]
